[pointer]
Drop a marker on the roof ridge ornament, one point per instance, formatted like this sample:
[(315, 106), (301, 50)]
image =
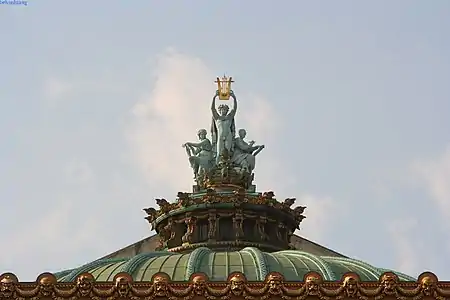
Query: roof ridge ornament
[(226, 159), (312, 285)]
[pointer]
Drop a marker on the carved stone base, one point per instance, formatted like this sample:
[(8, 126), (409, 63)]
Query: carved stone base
[(230, 176)]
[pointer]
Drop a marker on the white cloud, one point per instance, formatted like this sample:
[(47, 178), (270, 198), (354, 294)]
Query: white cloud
[(79, 172), (320, 215), (401, 233), (82, 87), (435, 174), (50, 239), (55, 88)]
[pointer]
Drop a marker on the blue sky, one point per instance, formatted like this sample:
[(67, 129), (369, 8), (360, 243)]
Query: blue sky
[(351, 99)]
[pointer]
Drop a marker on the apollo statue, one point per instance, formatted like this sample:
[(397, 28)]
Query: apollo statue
[(226, 156), (223, 129)]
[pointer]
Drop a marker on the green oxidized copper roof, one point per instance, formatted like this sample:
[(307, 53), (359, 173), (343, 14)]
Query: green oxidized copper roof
[(255, 264)]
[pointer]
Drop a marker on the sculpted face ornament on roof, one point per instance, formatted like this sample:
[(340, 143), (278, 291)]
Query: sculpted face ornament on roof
[(84, 287), (389, 283), (7, 285), (312, 284), (122, 284), (46, 285), (199, 284), (160, 284), (428, 284), (275, 282), (237, 284), (350, 285)]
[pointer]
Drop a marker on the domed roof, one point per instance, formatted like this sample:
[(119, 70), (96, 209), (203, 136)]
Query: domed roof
[(224, 225), (255, 264)]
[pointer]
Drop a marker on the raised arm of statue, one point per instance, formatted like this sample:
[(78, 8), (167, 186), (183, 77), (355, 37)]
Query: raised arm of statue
[(203, 143), (213, 108), (233, 111)]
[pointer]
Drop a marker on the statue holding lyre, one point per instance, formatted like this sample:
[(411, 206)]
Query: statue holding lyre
[(223, 128), (226, 159)]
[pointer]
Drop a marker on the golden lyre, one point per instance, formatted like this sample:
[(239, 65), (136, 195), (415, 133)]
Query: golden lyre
[(224, 87)]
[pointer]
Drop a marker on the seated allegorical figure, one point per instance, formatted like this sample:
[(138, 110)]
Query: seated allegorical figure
[(244, 153), (200, 154)]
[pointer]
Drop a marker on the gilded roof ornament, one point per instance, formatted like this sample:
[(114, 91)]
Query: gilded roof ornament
[(236, 287), (224, 87)]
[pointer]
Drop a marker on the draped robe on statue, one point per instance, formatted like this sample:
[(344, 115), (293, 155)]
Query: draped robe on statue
[(243, 155)]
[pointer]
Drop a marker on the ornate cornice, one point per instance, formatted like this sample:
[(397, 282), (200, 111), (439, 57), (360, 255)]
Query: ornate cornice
[(225, 208), (236, 287), (238, 197)]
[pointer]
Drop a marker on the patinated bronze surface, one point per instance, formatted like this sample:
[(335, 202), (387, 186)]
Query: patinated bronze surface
[(311, 286), (232, 220)]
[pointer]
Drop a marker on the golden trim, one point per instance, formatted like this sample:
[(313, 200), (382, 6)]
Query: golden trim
[(236, 287)]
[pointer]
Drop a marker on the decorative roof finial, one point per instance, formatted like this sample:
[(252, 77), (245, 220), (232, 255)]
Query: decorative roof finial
[(226, 159)]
